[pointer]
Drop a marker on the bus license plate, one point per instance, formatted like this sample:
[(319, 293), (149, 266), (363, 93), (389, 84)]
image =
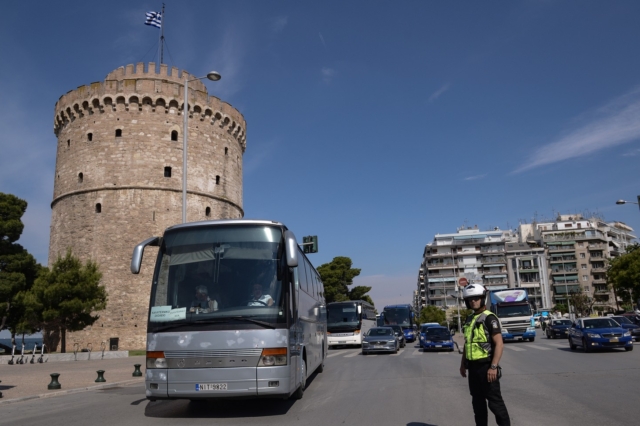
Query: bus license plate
[(210, 386)]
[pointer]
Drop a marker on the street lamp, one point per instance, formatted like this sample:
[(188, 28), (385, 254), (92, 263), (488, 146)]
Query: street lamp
[(213, 76), (630, 202)]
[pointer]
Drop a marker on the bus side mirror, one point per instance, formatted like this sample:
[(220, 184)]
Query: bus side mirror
[(138, 251), (291, 249)]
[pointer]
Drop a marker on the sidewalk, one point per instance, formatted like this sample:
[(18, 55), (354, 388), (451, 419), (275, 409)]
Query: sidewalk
[(26, 381)]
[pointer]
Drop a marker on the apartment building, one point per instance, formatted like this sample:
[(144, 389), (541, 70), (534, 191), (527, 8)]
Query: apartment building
[(478, 256), (527, 268)]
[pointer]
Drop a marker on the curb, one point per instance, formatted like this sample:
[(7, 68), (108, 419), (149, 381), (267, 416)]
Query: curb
[(72, 391)]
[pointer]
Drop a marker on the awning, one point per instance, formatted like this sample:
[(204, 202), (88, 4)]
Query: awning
[(440, 280), (566, 278), (526, 271), (470, 237), (496, 276), (493, 264), (562, 290)]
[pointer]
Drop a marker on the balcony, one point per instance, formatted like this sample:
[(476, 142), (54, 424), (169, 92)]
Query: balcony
[(440, 275), (562, 259), (597, 246), (572, 235), (599, 281), (494, 281), (564, 271), (599, 269), (523, 270), (486, 251), (498, 259)]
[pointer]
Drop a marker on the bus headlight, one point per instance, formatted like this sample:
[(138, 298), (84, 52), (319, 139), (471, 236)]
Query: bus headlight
[(156, 359), (531, 329), (273, 356), (355, 333)]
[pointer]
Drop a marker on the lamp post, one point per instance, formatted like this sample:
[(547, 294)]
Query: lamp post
[(213, 76)]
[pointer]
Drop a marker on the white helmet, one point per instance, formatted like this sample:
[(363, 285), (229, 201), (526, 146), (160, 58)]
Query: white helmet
[(474, 290)]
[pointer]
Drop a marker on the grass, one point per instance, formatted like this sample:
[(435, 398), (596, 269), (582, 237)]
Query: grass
[(137, 352)]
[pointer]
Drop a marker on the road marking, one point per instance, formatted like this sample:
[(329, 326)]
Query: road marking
[(334, 354), (542, 348), (416, 352), (558, 345), (513, 348), (352, 354), (400, 351)]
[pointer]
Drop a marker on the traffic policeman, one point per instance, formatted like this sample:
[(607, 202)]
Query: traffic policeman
[(482, 352)]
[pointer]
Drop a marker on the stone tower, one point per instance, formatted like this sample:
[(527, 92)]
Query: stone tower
[(118, 181)]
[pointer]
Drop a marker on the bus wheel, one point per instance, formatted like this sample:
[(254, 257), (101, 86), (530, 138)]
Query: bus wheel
[(299, 393)]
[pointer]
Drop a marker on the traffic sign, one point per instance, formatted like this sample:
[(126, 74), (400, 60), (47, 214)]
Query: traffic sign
[(463, 282)]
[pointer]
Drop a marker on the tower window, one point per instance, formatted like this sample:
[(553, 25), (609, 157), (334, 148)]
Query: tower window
[(207, 212), (89, 137), (118, 133), (217, 180), (80, 177), (174, 135), (167, 172), (98, 208), (226, 150), (68, 143)]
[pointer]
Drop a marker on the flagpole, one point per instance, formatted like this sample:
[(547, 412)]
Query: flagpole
[(162, 36)]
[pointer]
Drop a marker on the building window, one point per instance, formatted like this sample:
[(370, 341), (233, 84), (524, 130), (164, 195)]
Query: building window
[(581, 244), (89, 137), (167, 172), (568, 225), (98, 208), (585, 278), (583, 266), (118, 133), (207, 212), (80, 177), (581, 255), (174, 135), (586, 289), (217, 180)]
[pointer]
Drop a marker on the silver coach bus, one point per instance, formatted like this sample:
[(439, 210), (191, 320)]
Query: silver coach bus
[(348, 321), (236, 310)]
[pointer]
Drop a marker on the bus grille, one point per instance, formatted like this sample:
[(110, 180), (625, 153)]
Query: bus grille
[(218, 353)]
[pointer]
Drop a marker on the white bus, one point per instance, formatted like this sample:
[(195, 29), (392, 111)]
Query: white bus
[(348, 321), (236, 310)]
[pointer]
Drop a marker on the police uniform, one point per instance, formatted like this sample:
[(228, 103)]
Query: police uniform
[(478, 352)]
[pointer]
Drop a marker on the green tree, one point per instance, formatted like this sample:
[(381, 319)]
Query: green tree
[(431, 313), (65, 298), (561, 307), (337, 276), (18, 269), (623, 275), (581, 303)]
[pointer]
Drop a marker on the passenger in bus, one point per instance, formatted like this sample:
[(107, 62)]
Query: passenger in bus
[(202, 302), (260, 299)]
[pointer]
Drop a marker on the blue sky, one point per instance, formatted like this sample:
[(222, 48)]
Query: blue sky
[(371, 124)]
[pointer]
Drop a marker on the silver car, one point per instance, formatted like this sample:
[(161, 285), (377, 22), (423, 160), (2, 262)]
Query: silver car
[(380, 339)]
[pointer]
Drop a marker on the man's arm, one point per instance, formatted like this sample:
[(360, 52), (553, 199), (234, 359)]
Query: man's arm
[(492, 375)]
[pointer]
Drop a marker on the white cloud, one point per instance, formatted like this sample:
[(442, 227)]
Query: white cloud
[(614, 124), (322, 40), (475, 177), (632, 153), (328, 74), (435, 95), (278, 24)]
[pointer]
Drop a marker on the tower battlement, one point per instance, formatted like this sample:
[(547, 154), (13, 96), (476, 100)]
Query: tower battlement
[(136, 89)]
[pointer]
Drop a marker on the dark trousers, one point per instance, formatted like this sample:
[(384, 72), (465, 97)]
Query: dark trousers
[(482, 392)]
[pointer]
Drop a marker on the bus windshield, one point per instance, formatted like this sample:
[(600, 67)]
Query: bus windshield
[(342, 317), (398, 316), (218, 274)]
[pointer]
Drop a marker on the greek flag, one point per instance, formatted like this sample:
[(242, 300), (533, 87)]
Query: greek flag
[(154, 19)]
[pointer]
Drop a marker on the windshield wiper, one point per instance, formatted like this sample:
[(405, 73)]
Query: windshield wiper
[(238, 318), (168, 327)]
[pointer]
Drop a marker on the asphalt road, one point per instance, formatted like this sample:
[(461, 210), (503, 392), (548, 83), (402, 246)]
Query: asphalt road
[(544, 383)]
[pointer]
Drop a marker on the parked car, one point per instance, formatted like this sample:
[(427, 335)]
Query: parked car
[(632, 316), (380, 339), (598, 333), (436, 338), (557, 328), (400, 334), (627, 324)]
